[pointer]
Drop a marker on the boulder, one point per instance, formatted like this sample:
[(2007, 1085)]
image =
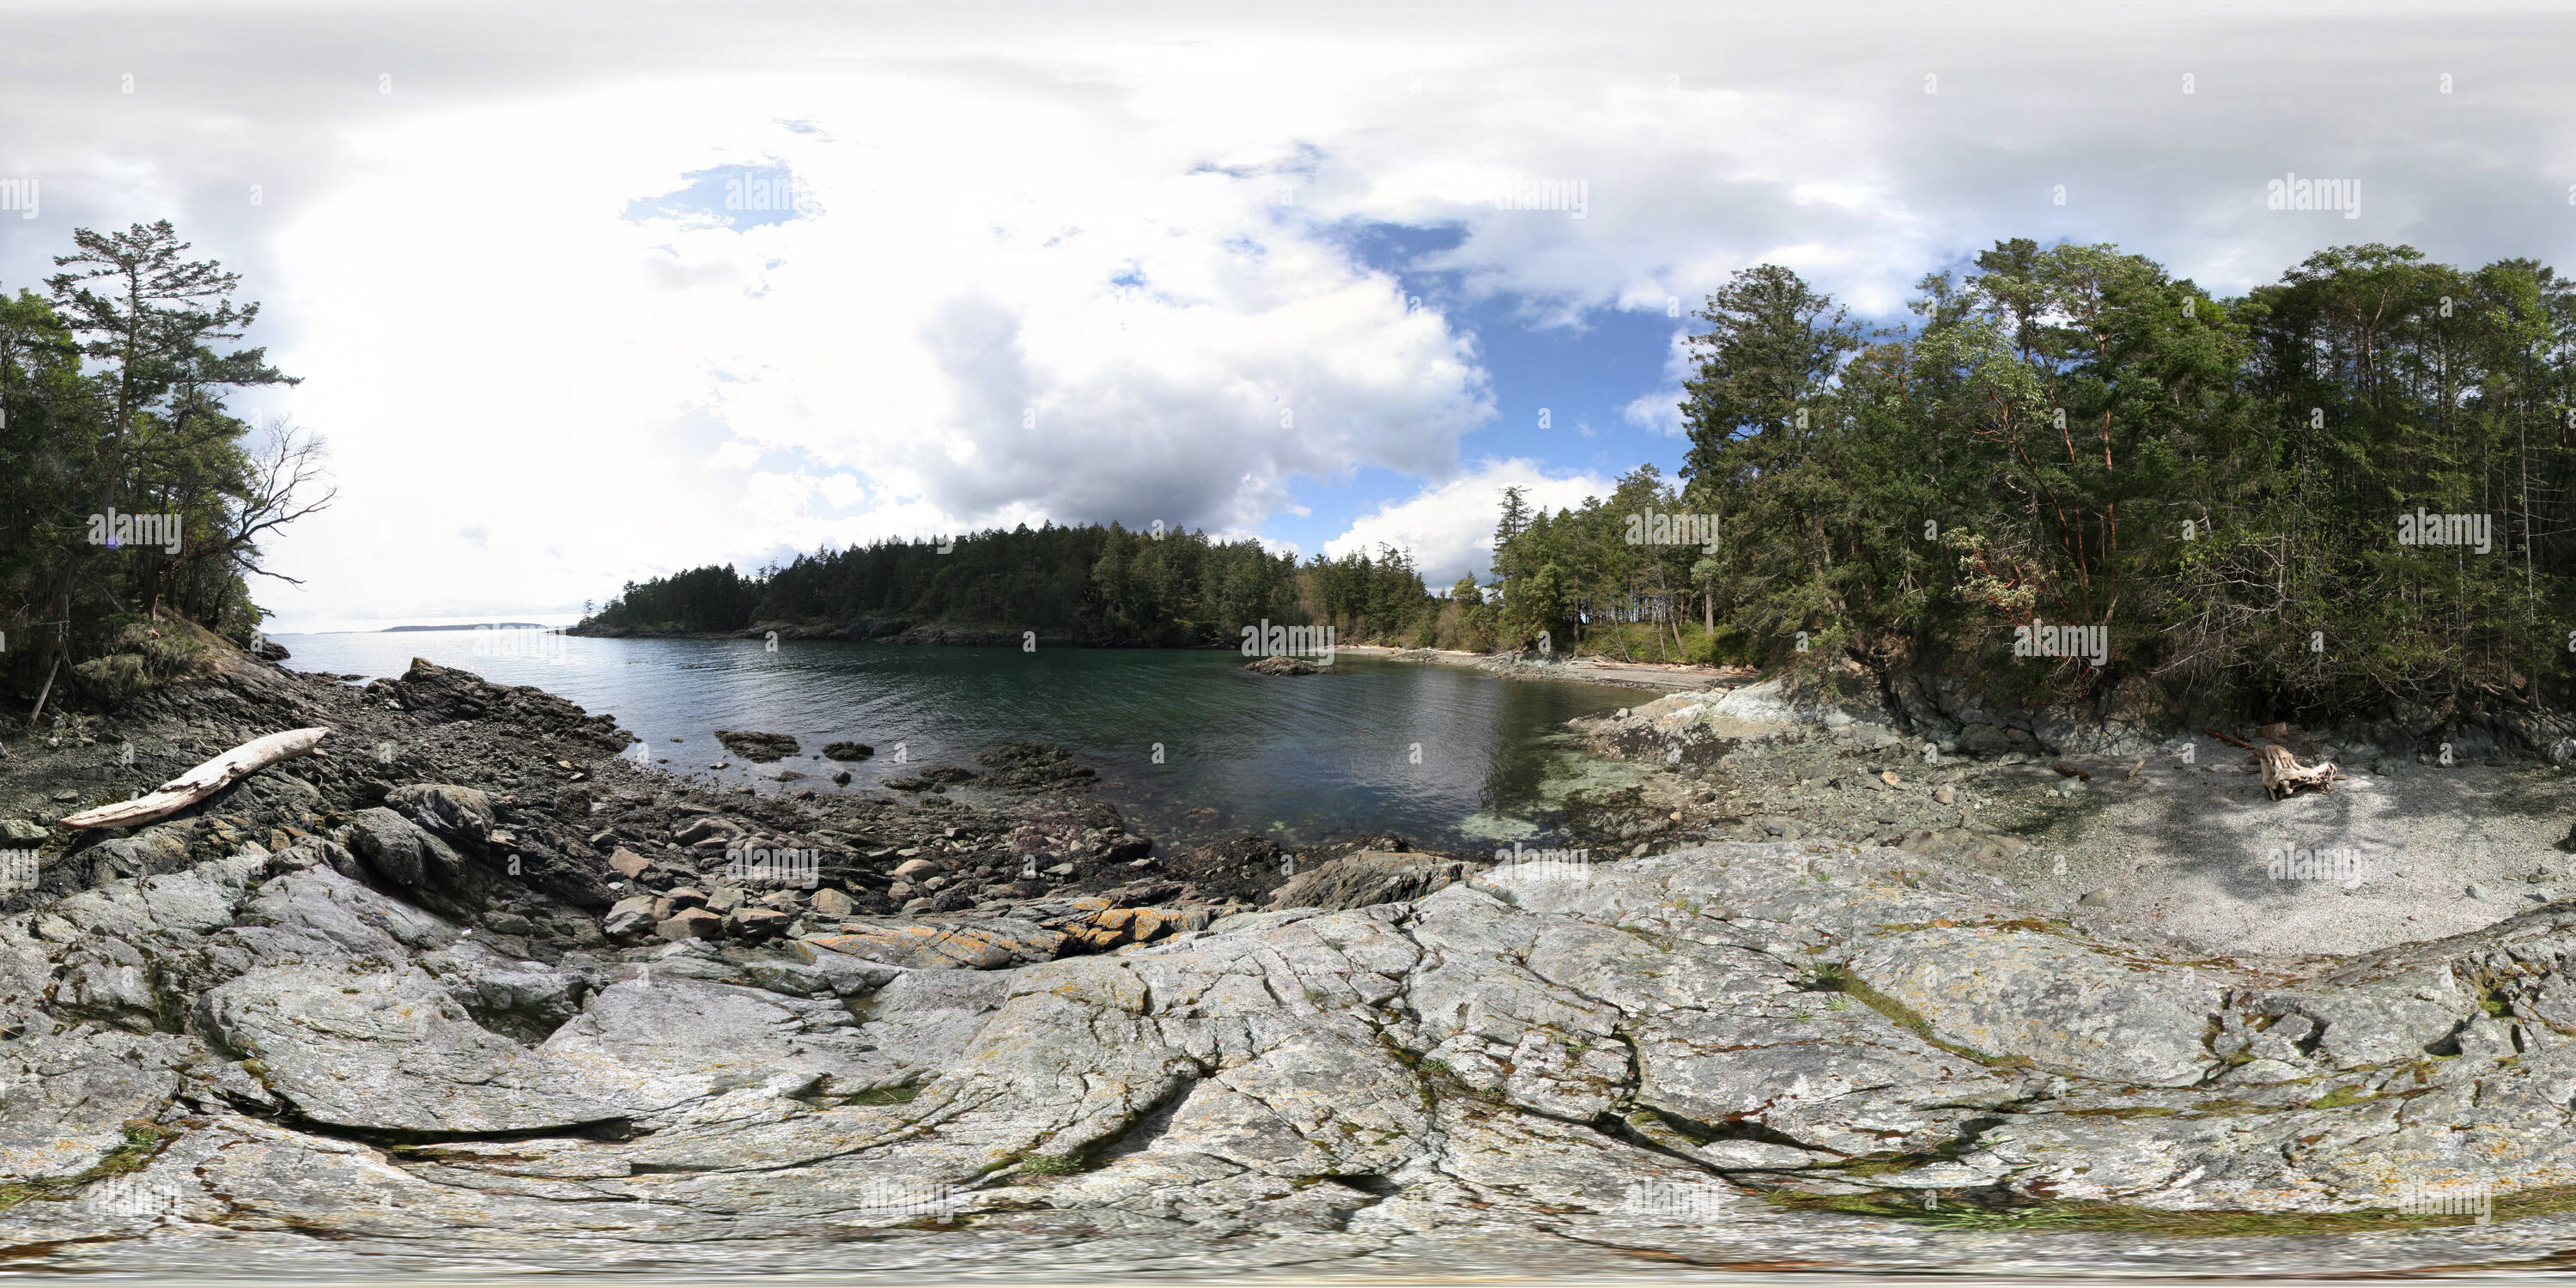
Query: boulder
[(848, 750), (756, 923), (162, 848), (629, 919), (690, 923), (1368, 877), (457, 815), (759, 748), (711, 828), (1833, 693), (398, 850)]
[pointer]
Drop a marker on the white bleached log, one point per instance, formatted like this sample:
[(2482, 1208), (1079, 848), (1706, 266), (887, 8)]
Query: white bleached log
[(203, 781), (2282, 773)]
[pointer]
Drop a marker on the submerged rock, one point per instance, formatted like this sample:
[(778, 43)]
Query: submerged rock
[(1283, 666), (760, 748), (934, 778), (1034, 766)]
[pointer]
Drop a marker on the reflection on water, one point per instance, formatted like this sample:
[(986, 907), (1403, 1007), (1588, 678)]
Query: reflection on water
[(1443, 756)]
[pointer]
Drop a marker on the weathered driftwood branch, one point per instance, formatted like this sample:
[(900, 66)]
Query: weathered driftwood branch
[(203, 781), (45, 692), (2282, 774)]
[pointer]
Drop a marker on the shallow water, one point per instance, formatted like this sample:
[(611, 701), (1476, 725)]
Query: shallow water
[(1444, 756)]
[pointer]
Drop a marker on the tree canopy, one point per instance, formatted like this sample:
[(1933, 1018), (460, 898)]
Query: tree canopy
[(2069, 435), (113, 388)]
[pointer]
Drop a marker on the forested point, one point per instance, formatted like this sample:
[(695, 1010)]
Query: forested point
[(1101, 584), (132, 500), (2345, 490)]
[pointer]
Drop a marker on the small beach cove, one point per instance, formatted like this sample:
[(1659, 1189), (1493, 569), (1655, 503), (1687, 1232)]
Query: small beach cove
[(1191, 746)]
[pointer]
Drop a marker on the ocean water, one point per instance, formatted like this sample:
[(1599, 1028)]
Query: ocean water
[(1188, 744)]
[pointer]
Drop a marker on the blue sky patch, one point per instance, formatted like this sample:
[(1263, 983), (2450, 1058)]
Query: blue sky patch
[(737, 196)]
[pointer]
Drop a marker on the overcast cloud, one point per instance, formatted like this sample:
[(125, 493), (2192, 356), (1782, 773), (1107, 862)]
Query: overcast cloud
[(1129, 262)]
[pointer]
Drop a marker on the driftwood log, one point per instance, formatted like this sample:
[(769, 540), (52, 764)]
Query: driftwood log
[(2282, 773), (203, 781)]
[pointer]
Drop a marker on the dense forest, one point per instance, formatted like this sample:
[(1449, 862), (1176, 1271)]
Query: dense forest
[(130, 495), (2068, 436), (2248, 493), (1102, 584)]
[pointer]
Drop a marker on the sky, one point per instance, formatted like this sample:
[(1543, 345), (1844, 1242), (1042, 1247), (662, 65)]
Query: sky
[(586, 294)]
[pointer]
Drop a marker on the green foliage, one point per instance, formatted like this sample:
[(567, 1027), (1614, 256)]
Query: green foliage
[(143, 654), (2069, 436), (1094, 582), (112, 402), (701, 599)]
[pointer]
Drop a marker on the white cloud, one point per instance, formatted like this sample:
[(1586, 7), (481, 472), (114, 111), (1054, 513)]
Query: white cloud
[(1449, 527), (945, 339), (734, 455), (1661, 409), (1041, 275)]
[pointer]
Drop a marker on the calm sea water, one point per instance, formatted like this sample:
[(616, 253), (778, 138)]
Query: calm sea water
[(1441, 755)]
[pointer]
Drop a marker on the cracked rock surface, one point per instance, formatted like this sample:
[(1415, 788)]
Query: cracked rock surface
[(1781, 1053)]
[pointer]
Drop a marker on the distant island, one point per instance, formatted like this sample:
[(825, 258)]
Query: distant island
[(484, 626)]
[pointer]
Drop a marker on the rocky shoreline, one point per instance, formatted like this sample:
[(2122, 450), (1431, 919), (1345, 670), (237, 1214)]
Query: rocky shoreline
[(2148, 830), (437, 775), (892, 631), (1660, 677), (469, 987)]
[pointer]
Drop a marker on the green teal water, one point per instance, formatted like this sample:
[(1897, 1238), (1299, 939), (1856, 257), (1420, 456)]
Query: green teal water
[(1443, 756)]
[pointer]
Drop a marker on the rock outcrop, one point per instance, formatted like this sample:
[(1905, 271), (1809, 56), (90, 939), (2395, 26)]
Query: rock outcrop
[(1732, 1054), (757, 747), (1368, 877), (1283, 666)]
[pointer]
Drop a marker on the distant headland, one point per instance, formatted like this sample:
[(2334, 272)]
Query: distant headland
[(481, 626)]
